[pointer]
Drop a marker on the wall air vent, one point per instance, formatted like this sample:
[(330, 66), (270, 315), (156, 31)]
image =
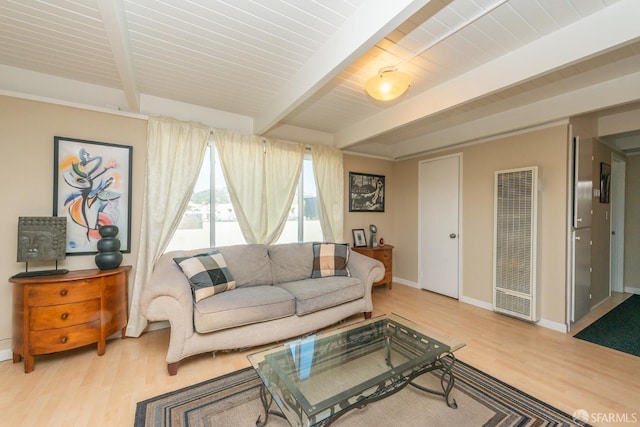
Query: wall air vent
[(515, 231)]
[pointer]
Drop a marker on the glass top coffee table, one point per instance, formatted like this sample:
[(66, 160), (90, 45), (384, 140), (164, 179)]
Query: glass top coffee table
[(317, 379)]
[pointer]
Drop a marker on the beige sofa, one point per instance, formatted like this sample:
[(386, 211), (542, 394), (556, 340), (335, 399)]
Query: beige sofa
[(275, 298)]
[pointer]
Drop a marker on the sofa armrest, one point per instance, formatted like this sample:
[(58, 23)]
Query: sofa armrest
[(368, 270), (167, 282)]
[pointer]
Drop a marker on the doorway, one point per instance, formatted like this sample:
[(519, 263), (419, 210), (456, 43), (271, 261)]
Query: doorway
[(618, 175), (439, 207)]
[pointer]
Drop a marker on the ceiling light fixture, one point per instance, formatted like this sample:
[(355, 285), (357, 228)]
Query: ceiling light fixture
[(388, 84)]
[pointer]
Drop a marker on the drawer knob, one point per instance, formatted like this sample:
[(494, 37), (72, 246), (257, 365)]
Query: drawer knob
[(64, 316), (63, 340), (63, 293)]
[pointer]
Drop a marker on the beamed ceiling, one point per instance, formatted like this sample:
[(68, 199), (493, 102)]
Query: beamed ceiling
[(479, 68)]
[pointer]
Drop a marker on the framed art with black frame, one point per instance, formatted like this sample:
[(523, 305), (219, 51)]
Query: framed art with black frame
[(366, 192), (605, 182), (92, 188)]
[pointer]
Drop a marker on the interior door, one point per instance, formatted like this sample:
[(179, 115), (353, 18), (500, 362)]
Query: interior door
[(581, 273), (439, 225), (581, 232), (618, 172)]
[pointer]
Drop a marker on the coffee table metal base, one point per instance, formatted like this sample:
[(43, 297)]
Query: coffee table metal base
[(447, 380)]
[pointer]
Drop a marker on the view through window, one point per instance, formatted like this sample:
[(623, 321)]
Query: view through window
[(207, 207)]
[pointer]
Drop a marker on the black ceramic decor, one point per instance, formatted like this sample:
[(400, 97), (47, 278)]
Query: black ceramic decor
[(109, 255)]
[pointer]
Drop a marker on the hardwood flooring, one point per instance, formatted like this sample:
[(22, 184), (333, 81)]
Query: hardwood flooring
[(78, 388)]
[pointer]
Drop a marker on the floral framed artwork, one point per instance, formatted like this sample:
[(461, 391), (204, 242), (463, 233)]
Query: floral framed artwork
[(366, 192), (359, 238), (92, 187)]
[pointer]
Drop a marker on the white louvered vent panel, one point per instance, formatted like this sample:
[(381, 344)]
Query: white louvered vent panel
[(514, 284)]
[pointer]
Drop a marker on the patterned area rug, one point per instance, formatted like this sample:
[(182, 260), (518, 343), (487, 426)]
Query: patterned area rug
[(233, 400), (618, 329)]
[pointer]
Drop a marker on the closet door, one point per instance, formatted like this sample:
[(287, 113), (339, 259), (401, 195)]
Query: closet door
[(581, 232)]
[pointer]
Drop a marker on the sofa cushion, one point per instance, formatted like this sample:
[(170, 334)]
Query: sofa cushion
[(249, 264), (317, 294), (242, 306), (330, 259), (291, 261), (207, 274)]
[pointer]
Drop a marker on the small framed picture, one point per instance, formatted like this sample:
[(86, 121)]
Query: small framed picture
[(359, 238), (605, 182)]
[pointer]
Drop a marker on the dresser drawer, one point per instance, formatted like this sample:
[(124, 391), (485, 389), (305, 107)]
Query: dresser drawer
[(386, 262), (63, 293), (53, 340), (383, 255), (64, 315)]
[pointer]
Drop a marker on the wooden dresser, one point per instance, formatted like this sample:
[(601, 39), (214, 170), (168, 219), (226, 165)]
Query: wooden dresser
[(385, 256), (61, 312)]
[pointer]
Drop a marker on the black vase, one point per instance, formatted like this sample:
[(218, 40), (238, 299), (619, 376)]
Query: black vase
[(108, 256)]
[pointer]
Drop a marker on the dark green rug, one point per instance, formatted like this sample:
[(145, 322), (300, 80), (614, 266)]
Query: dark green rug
[(618, 329)]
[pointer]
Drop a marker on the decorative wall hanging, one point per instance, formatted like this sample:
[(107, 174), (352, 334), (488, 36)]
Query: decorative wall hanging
[(605, 182), (366, 192), (92, 188)]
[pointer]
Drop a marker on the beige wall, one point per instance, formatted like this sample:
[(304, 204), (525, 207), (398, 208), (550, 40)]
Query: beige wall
[(27, 150), (28, 128), (547, 149), (632, 224), (382, 220)]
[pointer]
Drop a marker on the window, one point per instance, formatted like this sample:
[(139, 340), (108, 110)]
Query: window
[(195, 230), (303, 224)]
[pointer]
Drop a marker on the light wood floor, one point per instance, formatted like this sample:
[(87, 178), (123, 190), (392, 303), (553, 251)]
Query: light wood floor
[(78, 388)]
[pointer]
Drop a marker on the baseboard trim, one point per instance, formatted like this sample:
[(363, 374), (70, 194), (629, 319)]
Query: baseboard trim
[(632, 290), (477, 303), (549, 324), (6, 355), (405, 282), (554, 326)]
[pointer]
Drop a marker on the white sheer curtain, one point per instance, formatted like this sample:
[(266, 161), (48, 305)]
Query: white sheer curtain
[(175, 151), (261, 176), (329, 174), (283, 163), (242, 161)]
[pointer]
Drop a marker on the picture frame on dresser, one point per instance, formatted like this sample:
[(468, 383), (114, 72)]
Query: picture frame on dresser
[(359, 238), (91, 188)]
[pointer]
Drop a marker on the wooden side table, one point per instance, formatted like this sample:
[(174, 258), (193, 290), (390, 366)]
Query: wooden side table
[(383, 254), (57, 313)]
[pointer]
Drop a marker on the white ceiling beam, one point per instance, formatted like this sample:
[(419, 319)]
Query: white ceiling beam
[(585, 100), (115, 25), (371, 22), (611, 27)]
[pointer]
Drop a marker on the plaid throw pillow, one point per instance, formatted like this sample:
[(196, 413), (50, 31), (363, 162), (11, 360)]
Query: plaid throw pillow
[(207, 273), (330, 259)]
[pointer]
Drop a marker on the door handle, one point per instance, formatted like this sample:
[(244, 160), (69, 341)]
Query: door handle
[(452, 235)]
